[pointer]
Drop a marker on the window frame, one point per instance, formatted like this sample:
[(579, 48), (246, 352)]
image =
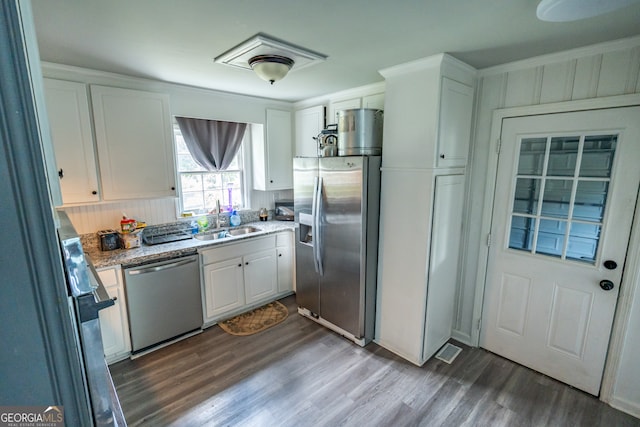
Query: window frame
[(243, 169)]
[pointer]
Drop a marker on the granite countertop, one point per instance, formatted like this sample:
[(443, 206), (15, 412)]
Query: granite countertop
[(145, 254)]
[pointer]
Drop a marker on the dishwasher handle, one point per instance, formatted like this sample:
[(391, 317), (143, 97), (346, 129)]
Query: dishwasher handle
[(153, 269)]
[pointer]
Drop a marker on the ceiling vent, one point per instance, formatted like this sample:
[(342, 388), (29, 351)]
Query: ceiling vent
[(263, 45)]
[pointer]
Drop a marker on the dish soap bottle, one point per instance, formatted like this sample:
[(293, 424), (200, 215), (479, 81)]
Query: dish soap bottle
[(203, 223), (234, 219)]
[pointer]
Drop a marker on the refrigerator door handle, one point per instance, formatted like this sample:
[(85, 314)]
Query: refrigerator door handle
[(318, 224), (314, 216)]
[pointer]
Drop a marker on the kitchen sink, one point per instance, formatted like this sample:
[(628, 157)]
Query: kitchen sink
[(212, 235), (226, 232), (241, 231)]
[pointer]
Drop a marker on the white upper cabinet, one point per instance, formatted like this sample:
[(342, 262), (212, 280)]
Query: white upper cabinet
[(273, 155), (70, 123), (427, 120), (363, 100), (135, 143), (309, 122), (346, 104), (375, 101), (454, 127)]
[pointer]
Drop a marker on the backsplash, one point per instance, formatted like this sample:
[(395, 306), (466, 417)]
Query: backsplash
[(91, 218)]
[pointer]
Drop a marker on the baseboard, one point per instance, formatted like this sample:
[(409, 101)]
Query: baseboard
[(631, 408), (400, 353), (164, 344), (463, 338)]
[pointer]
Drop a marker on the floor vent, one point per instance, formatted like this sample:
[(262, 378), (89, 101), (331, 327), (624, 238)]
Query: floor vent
[(448, 353)]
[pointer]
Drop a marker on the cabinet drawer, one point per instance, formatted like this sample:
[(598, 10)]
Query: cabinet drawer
[(234, 250)]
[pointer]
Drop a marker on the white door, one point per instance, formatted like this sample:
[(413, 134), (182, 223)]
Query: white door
[(565, 193)]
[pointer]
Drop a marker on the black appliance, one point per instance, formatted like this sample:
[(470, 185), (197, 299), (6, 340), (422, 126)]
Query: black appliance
[(87, 296)]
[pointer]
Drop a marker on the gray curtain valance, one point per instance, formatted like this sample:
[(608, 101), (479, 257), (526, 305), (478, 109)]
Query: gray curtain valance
[(212, 143)]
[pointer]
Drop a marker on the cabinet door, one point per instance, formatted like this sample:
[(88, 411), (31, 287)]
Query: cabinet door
[(375, 101), (400, 309), (114, 323), (70, 124), (456, 104), (260, 275), (223, 287), (135, 143), (279, 150), (309, 123), (347, 104), (285, 268), (446, 234)]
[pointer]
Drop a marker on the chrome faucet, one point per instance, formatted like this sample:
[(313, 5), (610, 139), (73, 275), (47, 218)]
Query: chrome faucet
[(218, 213)]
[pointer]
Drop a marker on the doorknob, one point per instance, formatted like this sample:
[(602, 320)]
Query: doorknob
[(607, 285)]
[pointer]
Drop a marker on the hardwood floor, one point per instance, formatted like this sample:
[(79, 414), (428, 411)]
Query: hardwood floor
[(301, 374)]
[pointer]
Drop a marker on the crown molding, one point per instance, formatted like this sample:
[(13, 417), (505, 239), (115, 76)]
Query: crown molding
[(566, 55)]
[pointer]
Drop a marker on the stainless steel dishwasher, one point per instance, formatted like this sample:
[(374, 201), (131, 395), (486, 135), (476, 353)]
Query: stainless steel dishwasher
[(164, 301)]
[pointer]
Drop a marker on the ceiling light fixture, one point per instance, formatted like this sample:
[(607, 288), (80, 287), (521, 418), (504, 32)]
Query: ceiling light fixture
[(271, 67), (573, 10), (270, 58)]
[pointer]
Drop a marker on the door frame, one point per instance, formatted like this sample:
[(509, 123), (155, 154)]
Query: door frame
[(631, 273)]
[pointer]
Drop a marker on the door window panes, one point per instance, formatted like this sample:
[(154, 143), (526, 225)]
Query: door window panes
[(560, 195), (597, 157), (557, 198), (522, 232), (590, 199), (527, 196), (551, 237), (583, 242), (532, 154), (563, 152)]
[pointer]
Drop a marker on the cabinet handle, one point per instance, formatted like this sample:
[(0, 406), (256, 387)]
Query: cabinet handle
[(173, 188), (60, 173), (246, 263), (94, 192), (442, 156), (239, 265), (271, 181), (279, 255)]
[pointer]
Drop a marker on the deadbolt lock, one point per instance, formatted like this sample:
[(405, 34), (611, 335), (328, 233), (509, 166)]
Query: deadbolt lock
[(607, 285)]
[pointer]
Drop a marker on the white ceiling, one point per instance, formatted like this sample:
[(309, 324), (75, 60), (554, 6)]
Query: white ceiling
[(176, 40)]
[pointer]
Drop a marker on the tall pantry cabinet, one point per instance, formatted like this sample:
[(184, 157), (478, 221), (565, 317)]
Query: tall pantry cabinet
[(427, 125)]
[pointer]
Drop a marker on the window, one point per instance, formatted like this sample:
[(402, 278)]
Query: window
[(560, 197), (200, 189)]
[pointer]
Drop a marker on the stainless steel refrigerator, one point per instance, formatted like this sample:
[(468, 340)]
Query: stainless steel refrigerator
[(337, 204)]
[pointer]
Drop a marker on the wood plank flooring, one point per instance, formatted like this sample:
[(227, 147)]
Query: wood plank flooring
[(301, 374)]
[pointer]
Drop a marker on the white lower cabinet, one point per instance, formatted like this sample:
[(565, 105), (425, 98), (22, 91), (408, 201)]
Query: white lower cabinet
[(114, 322), (243, 275), (284, 251), (417, 285), (224, 286), (260, 278)]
